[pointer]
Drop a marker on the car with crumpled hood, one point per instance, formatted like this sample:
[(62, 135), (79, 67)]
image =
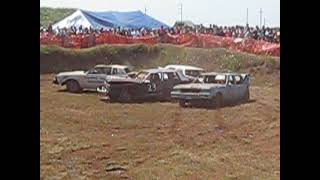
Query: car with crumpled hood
[(149, 84), (215, 90)]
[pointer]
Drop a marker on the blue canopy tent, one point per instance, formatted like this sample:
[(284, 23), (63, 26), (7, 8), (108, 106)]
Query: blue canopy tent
[(110, 19)]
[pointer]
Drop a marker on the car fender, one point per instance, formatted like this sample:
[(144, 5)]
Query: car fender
[(216, 91), (65, 79)]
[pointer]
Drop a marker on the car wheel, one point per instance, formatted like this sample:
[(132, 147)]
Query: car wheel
[(182, 103), (73, 86), (218, 101), (124, 96)]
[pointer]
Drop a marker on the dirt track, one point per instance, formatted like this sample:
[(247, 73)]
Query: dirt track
[(85, 138)]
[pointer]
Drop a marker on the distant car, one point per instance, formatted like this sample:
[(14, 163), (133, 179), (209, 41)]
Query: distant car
[(216, 89), (190, 72), (77, 81), (150, 84)]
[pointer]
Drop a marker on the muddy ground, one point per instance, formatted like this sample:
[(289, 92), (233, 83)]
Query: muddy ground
[(85, 138)]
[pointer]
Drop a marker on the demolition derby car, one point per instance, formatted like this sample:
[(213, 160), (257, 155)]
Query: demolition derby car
[(152, 84), (215, 90), (76, 81), (190, 72)]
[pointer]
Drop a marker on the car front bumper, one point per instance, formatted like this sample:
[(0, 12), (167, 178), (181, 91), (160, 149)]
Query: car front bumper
[(191, 96), (103, 89)]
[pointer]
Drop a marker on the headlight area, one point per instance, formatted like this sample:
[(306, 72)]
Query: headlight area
[(205, 93), (55, 80), (175, 91), (104, 88)]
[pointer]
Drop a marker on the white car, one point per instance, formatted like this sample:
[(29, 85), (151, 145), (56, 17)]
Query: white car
[(76, 81), (217, 89), (190, 72)]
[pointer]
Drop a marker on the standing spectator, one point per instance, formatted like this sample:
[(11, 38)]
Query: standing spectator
[(50, 28)]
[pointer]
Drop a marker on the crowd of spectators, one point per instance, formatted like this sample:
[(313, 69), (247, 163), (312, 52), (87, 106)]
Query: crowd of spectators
[(264, 33)]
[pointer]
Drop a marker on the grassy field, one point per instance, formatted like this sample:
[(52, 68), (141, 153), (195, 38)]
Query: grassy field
[(82, 137)]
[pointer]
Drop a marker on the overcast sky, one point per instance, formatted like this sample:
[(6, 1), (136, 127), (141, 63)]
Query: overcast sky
[(220, 12)]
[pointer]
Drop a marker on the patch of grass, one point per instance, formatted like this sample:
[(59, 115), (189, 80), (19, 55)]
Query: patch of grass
[(233, 63), (272, 63), (53, 15)]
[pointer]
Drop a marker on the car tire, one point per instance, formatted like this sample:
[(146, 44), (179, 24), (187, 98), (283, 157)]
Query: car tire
[(73, 86), (124, 96), (218, 101), (182, 103)]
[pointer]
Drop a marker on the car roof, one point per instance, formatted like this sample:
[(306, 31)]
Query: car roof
[(219, 73), (184, 67), (158, 70), (111, 65)]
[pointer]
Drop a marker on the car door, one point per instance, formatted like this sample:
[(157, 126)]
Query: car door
[(168, 83), (231, 89), (156, 83), (241, 87), (95, 78)]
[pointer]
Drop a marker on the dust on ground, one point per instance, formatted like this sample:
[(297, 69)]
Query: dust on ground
[(82, 137)]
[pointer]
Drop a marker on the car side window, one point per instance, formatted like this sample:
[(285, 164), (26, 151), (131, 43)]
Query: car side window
[(165, 76), (231, 80), (107, 71), (114, 71), (176, 76), (92, 71), (238, 79), (121, 71), (155, 77), (96, 71), (171, 76), (212, 79)]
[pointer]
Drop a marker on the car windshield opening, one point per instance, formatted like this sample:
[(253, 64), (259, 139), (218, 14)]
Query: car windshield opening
[(217, 79), (126, 70), (142, 75), (193, 73)]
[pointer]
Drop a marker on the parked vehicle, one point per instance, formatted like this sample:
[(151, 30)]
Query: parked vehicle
[(216, 89), (76, 81), (153, 84)]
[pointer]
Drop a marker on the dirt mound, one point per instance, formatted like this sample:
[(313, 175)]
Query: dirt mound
[(55, 59)]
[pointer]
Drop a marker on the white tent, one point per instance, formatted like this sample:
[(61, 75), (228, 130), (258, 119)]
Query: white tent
[(109, 19), (76, 19)]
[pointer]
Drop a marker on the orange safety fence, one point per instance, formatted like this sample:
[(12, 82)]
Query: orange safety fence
[(187, 40)]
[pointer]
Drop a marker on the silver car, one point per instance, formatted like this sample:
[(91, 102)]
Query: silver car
[(76, 81), (215, 89)]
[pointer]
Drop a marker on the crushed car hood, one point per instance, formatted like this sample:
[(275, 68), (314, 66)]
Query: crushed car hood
[(198, 86)]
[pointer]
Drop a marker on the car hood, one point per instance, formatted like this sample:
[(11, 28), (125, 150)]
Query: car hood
[(72, 73), (198, 86)]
